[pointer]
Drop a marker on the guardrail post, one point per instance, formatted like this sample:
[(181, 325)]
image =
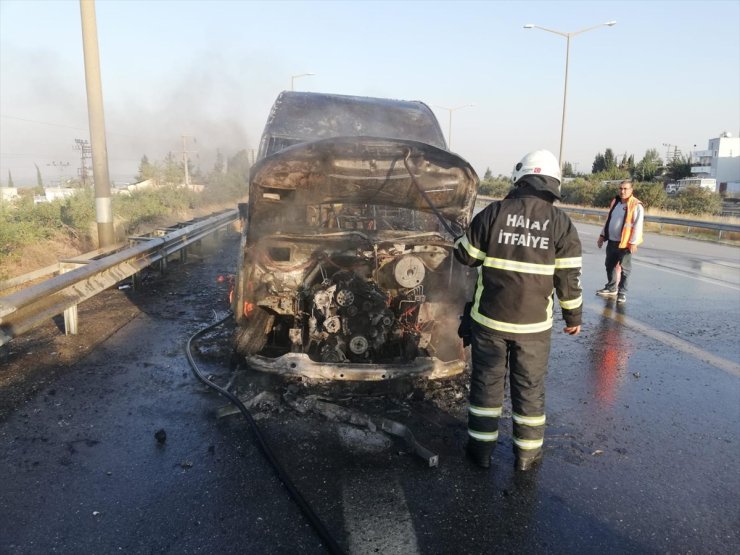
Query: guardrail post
[(70, 314)]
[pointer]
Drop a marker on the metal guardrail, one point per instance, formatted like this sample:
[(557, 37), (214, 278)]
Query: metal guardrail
[(715, 226), (58, 268), (29, 307)]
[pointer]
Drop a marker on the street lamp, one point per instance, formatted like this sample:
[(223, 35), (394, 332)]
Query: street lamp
[(567, 56), (449, 126), (294, 77)]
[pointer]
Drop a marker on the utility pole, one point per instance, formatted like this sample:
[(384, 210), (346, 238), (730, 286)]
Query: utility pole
[(103, 210), (185, 159), (676, 153), (85, 154), (61, 166)]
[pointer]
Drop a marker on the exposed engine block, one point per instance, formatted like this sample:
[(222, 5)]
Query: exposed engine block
[(353, 319)]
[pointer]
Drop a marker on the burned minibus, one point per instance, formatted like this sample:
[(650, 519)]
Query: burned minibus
[(346, 269)]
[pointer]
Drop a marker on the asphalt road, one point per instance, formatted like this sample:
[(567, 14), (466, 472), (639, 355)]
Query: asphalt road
[(642, 446)]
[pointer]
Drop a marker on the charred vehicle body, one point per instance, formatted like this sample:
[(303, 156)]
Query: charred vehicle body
[(346, 268)]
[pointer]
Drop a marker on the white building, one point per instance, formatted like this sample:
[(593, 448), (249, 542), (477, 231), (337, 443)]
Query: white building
[(721, 162), (8, 193), (54, 193)]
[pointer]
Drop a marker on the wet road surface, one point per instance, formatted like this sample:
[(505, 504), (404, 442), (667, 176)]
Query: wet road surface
[(641, 454)]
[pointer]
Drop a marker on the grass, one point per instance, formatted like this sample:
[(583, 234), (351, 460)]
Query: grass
[(33, 236)]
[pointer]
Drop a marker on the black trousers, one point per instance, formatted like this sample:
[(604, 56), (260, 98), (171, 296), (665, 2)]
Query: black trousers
[(614, 256), (526, 364)]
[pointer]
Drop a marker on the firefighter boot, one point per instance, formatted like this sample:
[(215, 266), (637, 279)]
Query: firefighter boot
[(480, 452), (524, 463)]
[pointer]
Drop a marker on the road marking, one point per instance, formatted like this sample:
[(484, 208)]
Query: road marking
[(728, 366)]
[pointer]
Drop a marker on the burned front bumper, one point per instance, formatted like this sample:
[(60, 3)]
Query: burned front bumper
[(299, 364)]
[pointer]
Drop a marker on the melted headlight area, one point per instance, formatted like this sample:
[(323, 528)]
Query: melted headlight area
[(371, 305)]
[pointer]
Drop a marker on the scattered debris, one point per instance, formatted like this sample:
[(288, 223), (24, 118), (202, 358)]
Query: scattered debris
[(160, 435), (265, 401), (597, 452)]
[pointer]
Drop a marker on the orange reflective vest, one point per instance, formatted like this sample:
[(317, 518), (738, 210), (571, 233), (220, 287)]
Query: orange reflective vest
[(629, 223)]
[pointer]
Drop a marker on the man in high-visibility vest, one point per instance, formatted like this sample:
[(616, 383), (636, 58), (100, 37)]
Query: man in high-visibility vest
[(525, 249), (622, 233)]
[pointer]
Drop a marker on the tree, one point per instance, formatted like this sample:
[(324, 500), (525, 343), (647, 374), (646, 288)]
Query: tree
[(218, 165), (147, 170), (173, 171), (39, 180), (649, 167), (488, 174), (610, 161), (599, 164), (567, 169), (679, 167), (10, 180)]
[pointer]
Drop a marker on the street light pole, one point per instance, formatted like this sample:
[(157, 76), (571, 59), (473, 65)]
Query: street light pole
[(294, 77), (567, 62), (449, 124)]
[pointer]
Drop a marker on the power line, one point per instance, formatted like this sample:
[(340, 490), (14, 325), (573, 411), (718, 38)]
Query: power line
[(57, 125), (43, 122)]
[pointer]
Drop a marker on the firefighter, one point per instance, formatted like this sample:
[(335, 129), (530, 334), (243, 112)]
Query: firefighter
[(525, 250), (622, 233)]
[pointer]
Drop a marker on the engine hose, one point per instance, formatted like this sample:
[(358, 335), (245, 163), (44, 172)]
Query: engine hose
[(425, 196), (308, 512)]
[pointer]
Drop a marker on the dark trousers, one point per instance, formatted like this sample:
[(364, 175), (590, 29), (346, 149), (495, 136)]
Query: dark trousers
[(526, 364), (614, 256)]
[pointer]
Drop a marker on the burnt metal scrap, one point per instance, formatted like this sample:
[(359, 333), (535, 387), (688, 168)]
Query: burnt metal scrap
[(346, 271), (338, 413)]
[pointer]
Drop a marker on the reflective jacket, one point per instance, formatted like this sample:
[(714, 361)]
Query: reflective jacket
[(525, 249), (632, 227)]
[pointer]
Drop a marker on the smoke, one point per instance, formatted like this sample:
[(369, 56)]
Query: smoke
[(213, 102)]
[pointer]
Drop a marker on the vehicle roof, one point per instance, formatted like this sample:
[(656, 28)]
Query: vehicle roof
[(298, 117)]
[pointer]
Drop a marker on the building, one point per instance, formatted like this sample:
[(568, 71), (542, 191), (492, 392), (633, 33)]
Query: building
[(54, 193), (8, 193), (721, 162)]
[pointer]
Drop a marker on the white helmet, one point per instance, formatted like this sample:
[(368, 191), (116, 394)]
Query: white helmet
[(539, 162)]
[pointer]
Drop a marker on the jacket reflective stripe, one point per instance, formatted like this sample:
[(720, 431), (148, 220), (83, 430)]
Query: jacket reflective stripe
[(575, 262), (571, 304), (511, 328), (529, 420), (528, 443), (507, 326), (483, 436), (471, 250), (482, 411), (515, 266)]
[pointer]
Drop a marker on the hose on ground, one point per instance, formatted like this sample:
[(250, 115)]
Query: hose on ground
[(307, 510)]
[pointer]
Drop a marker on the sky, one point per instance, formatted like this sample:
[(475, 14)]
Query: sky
[(668, 73)]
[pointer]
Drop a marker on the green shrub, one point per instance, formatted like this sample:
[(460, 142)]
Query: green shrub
[(605, 194), (78, 211), (696, 200), (652, 195), (494, 187), (579, 191)]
